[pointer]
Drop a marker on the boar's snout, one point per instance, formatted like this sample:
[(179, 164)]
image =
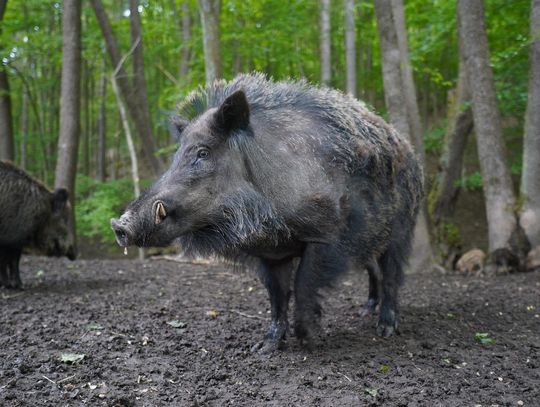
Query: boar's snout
[(120, 230)]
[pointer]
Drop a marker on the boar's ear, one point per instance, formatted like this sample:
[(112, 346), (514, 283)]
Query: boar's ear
[(176, 126), (233, 114), (59, 199)]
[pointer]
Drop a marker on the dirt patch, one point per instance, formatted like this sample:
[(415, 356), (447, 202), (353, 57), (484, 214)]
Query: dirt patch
[(116, 314)]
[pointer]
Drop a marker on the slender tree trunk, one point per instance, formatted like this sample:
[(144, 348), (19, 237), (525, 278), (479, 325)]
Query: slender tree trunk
[(460, 124), (70, 111), (210, 11), (394, 91), (139, 83), (186, 38), (411, 102), (350, 47), (131, 145), (497, 184), (102, 127), (6, 119), (325, 52), (7, 150), (128, 92), (24, 127), (70, 94), (530, 180)]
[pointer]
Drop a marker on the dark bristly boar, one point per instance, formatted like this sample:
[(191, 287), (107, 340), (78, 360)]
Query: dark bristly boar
[(284, 170), (33, 217)]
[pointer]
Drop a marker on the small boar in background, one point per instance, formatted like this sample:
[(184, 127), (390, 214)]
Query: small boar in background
[(32, 217), (283, 170)]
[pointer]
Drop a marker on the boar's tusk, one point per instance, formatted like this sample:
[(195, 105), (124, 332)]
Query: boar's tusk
[(160, 213)]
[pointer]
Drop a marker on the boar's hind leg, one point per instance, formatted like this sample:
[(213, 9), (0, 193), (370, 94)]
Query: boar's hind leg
[(391, 264), (276, 276), (374, 273), (319, 266)]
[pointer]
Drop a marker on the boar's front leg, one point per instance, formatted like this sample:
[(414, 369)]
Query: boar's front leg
[(3, 269), (374, 296), (276, 276), (319, 266), (13, 266)]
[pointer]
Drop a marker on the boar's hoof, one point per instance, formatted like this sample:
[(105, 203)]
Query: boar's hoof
[(368, 308), (385, 330), (305, 336), (267, 346), (273, 340)]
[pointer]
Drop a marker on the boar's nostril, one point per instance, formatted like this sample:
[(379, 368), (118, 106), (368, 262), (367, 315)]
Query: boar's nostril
[(120, 232), (159, 212)]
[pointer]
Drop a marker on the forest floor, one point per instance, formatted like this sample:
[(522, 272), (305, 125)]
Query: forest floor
[(161, 333)]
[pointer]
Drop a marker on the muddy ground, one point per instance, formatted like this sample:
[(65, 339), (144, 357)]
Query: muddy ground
[(117, 313)]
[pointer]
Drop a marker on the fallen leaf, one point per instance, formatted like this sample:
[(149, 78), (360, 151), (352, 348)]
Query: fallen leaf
[(175, 323), (71, 358)]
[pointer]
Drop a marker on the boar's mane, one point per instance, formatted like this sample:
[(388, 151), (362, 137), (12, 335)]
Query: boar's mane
[(243, 219)]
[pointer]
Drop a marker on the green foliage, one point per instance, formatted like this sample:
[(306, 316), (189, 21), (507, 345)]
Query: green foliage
[(434, 138), (471, 182), (98, 202)]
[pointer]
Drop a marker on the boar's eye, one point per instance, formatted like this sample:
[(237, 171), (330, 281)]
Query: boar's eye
[(203, 153)]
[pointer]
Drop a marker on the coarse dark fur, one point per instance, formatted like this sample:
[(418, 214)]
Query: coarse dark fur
[(285, 170), (33, 217)]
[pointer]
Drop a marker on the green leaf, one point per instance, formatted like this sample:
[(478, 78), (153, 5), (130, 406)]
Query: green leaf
[(177, 324), (93, 326), (71, 358), (384, 368), (484, 338), (372, 392)]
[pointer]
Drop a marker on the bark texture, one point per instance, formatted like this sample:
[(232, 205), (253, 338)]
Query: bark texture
[(70, 96), (326, 68), (530, 181), (350, 46), (7, 149), (497, 184), (460, 125), (210, 11), (186, 37), (413, 113), (128, 92), (394, 92)]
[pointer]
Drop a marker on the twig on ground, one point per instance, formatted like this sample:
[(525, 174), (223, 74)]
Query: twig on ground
[(45, 377), (246, 315)]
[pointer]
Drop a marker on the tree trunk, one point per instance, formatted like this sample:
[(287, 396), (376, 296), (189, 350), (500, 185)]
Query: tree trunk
[(66, 167), (139, 83), (7, 150), (350, 48), (394, 92), (186, 37), (210, 10), (530, 179), (460, 124), (413, 113), (128, 92), (497, 184), (102, 127), (24, 127), (326, 67)]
